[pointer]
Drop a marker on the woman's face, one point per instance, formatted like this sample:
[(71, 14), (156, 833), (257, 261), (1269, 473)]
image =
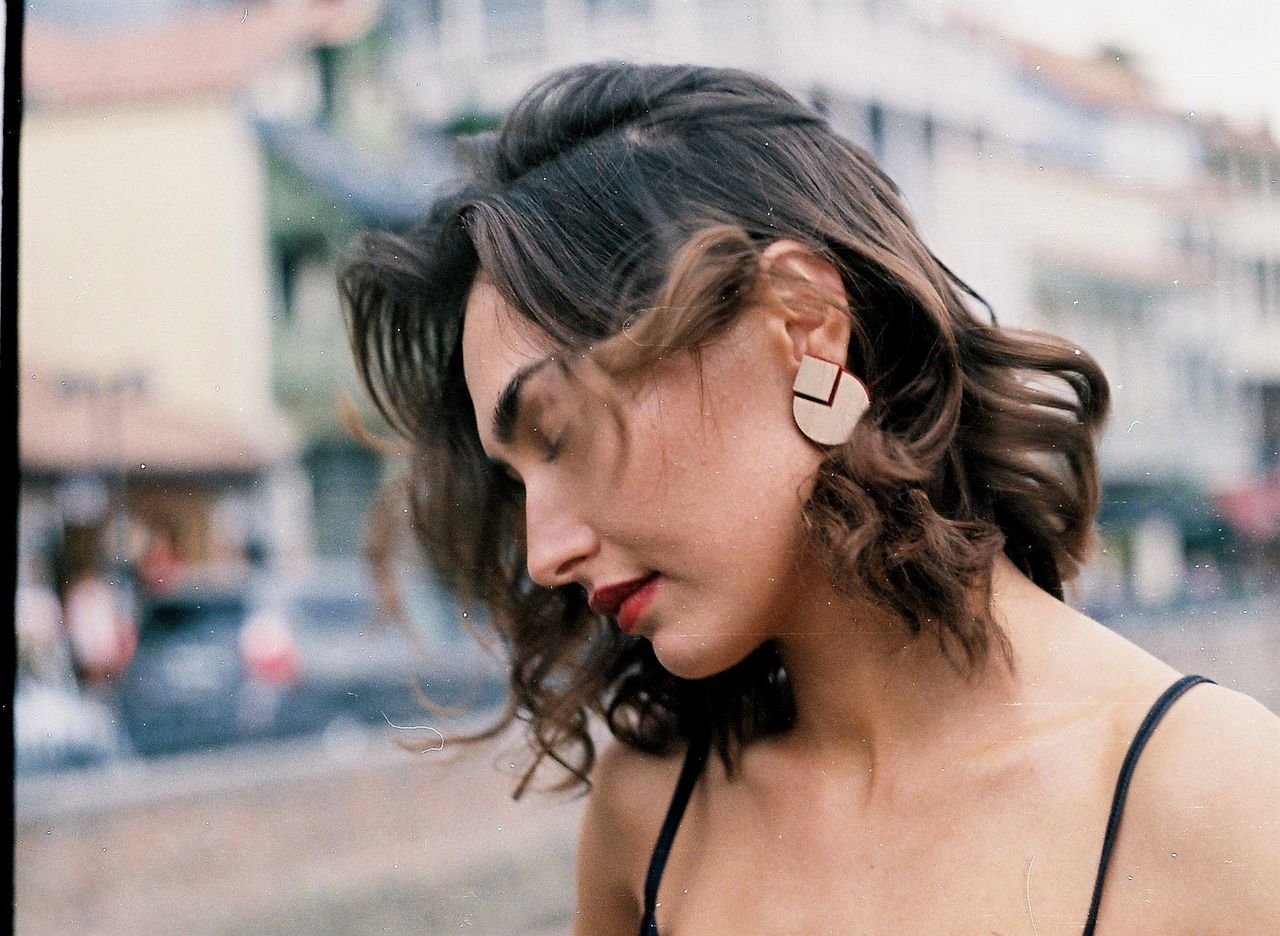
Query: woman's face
[(676, 503)]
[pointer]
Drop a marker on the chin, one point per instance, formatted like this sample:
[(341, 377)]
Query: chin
[(692, 656)]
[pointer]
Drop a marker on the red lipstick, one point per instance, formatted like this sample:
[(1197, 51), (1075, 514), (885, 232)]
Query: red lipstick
[(625, 601)]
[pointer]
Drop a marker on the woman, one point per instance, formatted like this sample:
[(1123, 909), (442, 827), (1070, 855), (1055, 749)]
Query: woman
[(737, 468)]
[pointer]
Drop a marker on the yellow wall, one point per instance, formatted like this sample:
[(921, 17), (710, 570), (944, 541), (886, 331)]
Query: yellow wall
[(143, 245)]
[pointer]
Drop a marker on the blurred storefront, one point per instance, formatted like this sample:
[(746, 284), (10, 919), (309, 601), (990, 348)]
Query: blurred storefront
[(148, 425), (111, 472)]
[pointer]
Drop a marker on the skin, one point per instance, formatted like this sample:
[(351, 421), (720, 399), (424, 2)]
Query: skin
[(907, 798)]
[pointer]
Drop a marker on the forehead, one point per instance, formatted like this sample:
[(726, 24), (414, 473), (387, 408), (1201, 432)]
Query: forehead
[(497, 342)]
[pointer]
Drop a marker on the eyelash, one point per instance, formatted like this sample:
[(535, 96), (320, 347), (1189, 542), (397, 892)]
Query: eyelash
[(554, 448)]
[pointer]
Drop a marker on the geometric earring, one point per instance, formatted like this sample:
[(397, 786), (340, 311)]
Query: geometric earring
[(828, 402)]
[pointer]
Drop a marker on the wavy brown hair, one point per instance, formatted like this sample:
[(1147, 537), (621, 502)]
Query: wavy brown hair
[(618, 199)]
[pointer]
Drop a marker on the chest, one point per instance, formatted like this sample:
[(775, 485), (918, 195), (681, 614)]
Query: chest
[(1011, 854)]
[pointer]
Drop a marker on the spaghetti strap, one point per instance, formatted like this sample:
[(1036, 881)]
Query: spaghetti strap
[(694, 758), (1169, 696)]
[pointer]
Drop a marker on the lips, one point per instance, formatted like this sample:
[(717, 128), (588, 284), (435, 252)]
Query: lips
[(625, 601)]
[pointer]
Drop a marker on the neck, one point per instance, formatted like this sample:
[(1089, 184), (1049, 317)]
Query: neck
[(865, 688)]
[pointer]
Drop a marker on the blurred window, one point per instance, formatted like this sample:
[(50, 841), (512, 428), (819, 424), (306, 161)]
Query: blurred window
[(208, 615), (605, 8), (979, 136), (1270, 447), (875, 128), (294, 253), (327, 58), (1261, 271), (344, 477)]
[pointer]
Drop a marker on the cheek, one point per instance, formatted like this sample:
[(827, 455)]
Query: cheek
[(739, 478), (705, 474), (717, 496)]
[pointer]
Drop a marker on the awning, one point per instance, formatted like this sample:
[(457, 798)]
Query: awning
[(62, 432), (389, 189)]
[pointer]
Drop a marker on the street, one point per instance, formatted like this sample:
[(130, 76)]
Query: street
[(353, 835), (355, 838)]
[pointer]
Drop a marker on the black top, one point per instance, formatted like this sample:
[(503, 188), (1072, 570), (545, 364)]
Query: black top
[(696, 756)]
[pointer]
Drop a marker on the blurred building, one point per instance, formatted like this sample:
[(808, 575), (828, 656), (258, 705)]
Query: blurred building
[(146, 290), (1060, 188)]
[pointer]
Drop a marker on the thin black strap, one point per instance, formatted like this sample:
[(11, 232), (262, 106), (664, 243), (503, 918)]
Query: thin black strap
[(694, 758), (1170, 695)]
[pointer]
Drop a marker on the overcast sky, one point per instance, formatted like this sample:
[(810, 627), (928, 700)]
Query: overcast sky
[(1221, 55)]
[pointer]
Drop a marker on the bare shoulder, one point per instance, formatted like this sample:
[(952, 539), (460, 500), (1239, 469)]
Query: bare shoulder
[(1218, 749), (1204, 811), (630, 792), (629, 795)]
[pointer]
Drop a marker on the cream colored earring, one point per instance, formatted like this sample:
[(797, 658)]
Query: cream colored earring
[(828, 402)]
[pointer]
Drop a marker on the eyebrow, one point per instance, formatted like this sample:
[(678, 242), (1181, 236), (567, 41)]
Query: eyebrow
[(506, 412)]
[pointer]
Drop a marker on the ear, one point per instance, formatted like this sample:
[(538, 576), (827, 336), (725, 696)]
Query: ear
[(806, 302)]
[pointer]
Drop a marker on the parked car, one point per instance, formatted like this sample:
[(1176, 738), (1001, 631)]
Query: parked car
[(225, 661), (57, 727), (187, 685)]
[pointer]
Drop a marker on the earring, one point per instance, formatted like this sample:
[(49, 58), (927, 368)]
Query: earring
[(828, 402)]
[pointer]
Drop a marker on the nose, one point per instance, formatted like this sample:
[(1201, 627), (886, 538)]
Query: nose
[(557, 538)]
